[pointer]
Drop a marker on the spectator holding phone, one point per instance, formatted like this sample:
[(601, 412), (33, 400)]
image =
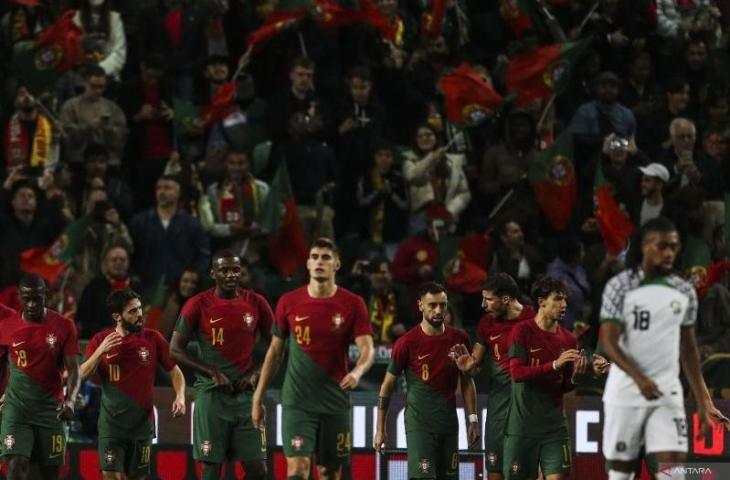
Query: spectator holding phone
[(89, 117)]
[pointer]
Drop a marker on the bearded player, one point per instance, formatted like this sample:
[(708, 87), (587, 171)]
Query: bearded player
[(425, 355), (503, 311), (225, 321), (320, 320), (125, 358), (41, 344)]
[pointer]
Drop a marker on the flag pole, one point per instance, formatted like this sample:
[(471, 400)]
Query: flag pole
[(545, 112), (243, 62), (501, 203), (49, 114), (302, 45), (588, 16)]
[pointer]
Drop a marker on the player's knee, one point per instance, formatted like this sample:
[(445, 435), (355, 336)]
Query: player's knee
[(617, 475), (297, 467), (255, 470)]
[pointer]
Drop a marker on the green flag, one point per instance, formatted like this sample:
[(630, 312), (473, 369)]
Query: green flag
[(552, 176)]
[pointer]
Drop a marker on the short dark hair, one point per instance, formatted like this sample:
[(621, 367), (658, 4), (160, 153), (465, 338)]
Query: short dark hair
[(171, 178), (225, 253), (32, 280), (431, 287), (502, 227), (362, 72), (302, 61), (324, 242), (238, 151), (547, 285), (92, 70), (20, 184), (501, 284), (658, 224), (118, 299)]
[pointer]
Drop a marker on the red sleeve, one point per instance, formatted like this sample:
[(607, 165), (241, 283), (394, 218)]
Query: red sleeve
[(361, 320), (266, 316), (520, 372), (281, 327), (399, 356), (163, 351), (71, 346)]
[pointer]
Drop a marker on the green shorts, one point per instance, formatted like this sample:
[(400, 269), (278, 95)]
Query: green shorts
[(497, 415), (523, 456), (329, 435), (129, 456), (433, 455), (222, 428), (42, 442)]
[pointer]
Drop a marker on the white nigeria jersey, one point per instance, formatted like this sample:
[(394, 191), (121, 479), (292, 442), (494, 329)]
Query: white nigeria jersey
[(652, 312)]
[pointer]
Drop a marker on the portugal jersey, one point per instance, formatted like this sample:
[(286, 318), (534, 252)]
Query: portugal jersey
[(36, 359), (321, 331), (537, 405), (432, 378), (225, 330), (651, 312), (496, 336), (127, 374)]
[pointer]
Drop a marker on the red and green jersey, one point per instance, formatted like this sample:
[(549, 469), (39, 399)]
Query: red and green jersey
[(496, 337), (432, 378), (225, 330), (36, 352), (127, 377), (322, 330), (5, 312), (537, 389)]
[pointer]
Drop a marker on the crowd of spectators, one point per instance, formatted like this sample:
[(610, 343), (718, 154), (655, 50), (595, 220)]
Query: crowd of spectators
[(373, 160)]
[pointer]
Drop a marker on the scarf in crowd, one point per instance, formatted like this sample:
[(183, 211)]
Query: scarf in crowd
[(18, 144), (243, 206), (382, 315), (378, 212)]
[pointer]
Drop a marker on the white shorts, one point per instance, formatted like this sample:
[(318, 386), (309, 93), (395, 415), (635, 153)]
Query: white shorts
[(659, 429)]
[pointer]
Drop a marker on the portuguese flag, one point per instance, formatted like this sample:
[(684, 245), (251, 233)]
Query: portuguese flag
[(543, 72), (57, 50), (51, 261), (221, 105), (187, 115), (552, 176), (279, 218), (614, 224), (469, 98), (276, 23), (515, 14)]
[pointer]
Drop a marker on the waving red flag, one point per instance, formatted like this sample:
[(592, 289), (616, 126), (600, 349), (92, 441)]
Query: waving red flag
[(221, 105), (469, 98), (432, 22)]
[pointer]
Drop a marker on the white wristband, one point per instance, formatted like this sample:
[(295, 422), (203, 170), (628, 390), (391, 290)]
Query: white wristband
[(473, 418)]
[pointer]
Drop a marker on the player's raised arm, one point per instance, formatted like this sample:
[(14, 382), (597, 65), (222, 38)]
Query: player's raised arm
[(272, 362), (364, 362), (469, 392), (88, 368), (386, 390)]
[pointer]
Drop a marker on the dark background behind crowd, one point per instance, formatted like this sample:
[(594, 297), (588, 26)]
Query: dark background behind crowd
[(359, 122)]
